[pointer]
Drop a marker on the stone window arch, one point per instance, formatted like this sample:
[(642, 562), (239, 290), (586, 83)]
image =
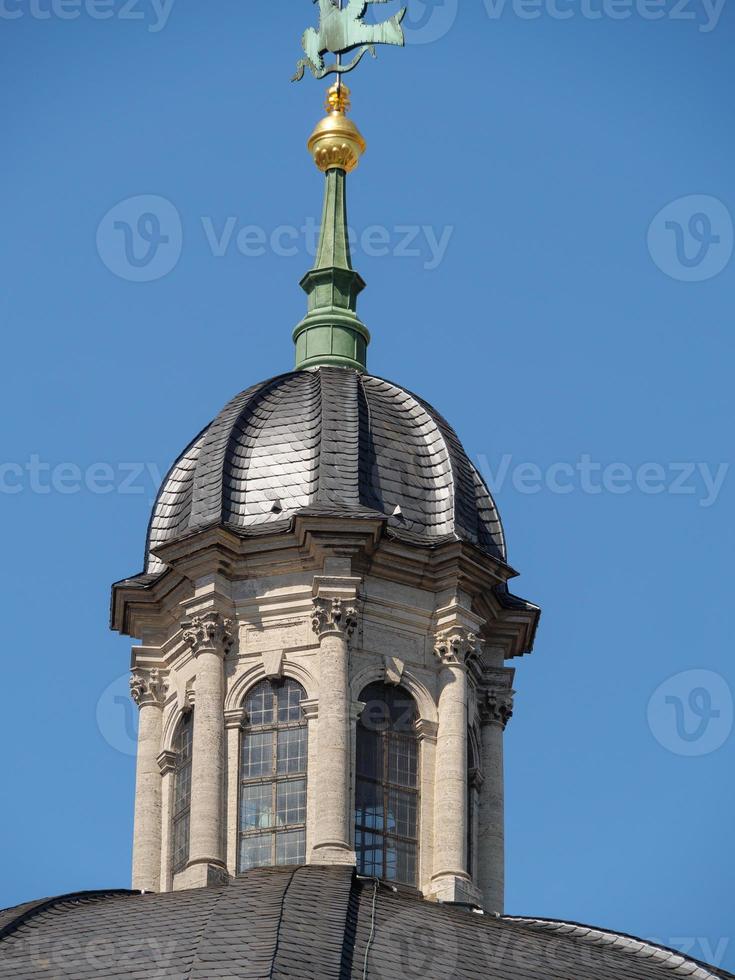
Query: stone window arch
[(387, 796), (181, 811), (273, 773)]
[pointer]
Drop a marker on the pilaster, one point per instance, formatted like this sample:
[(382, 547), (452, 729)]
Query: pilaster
[(334, 620), (210, 637), (457, 648), (496, 710), (148, 689)]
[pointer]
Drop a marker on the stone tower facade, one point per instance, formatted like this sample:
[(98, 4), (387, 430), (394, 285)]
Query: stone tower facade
[(324, 623)]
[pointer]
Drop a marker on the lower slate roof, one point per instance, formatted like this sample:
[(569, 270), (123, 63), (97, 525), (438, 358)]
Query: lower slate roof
[(331, 438), (310, 923)]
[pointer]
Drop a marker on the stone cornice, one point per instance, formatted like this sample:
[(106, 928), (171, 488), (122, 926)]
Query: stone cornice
[(208, 633), (148, 687), (138, 603)]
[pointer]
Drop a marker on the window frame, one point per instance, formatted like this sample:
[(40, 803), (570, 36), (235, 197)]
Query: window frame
[(385, 786), (181, 815), (274, 778)]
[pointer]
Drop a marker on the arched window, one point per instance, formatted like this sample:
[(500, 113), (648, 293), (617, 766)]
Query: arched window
[(273, 777), (387, 787), (182, 792), (473, 802)]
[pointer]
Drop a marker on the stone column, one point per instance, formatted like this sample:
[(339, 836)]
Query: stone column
[(334, 622), (210, 637), (496, 709), (451, 881), (148, 690)]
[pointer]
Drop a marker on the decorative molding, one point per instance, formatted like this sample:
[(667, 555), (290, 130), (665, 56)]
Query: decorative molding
[(209, 633), (167, 762), (475, 778), (457, 646), (272, 664), (236, 718), (336, 616), (356, 709), (496, 706), (394, 668), (149, 687), (426, 730), (310, 710)]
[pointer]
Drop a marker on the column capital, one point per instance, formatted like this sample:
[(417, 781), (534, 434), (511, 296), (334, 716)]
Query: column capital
[(457, 646), (496, 706), (334, 615), (209, 632), (148, 686)]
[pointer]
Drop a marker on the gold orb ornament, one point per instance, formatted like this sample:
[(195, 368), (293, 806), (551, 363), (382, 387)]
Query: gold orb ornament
[(337, 142)]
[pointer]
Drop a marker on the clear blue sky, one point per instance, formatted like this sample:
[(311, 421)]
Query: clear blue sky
[(548, 332)]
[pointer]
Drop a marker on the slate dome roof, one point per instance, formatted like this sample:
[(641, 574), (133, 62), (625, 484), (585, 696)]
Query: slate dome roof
[(310, 923), (327, 440)]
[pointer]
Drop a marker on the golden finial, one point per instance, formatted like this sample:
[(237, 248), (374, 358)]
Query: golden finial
[(337, 142), (338, 99)]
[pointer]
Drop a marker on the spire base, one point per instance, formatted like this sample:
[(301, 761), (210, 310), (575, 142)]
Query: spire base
[(333, 337)]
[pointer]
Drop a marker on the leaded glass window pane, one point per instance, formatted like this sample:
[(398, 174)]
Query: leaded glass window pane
[(386, 792), (273, 763), (182, 792), (291, 847), (256, 807), (292, 750)]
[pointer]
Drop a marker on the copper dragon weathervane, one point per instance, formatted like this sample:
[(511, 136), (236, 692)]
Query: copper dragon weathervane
[(341, 30)]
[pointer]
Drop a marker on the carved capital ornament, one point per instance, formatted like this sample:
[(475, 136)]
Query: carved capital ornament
[(457, 646), (496, 707), (148, 687), (334, 616), (209, 632)]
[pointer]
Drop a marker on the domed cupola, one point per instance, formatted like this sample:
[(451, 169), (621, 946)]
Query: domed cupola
[(329, 440), (324, 620)]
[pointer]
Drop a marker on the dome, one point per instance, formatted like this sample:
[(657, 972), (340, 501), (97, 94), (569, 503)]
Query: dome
[(311, 922), (327, 440)]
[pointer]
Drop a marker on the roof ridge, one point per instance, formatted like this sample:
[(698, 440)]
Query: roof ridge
[(671, 959)]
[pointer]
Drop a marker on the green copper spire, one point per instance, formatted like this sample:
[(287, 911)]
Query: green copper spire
[(332, 332)]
